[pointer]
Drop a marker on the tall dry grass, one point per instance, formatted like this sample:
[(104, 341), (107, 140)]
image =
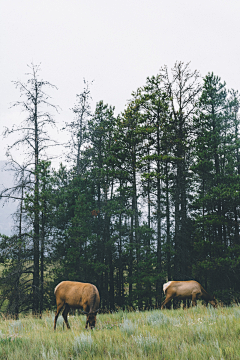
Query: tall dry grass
[(196, 333)]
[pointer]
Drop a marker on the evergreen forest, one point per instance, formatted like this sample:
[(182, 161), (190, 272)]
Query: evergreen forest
[(142, 197)]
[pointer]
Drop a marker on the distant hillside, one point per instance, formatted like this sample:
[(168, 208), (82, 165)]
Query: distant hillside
[(6, 208)]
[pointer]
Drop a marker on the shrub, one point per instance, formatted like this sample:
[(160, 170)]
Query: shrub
[(16, 327), (157, 319), (128, 326), (83, 342)]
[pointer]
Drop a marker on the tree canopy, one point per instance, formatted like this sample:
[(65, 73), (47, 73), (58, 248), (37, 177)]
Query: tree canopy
[(146, 196)]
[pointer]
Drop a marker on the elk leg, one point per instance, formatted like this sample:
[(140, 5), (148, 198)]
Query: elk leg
[(186, 304), (168, 298), (86, 310), (65, 314), (168, 306), (176, 303), (194, 299), (59, 308)]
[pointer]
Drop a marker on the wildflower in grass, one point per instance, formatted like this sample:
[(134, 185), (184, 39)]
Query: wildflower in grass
[(83, 342)]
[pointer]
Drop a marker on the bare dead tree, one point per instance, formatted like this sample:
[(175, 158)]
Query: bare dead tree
[(77, 127), (33, 137)]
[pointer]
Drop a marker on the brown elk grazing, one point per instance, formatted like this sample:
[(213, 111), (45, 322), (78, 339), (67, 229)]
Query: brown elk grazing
[(76, 295), (186, 290)]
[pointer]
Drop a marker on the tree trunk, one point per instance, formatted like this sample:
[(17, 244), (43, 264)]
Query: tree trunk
[(35, 308)]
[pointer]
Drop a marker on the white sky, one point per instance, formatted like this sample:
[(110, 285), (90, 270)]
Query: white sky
[(115, 43)]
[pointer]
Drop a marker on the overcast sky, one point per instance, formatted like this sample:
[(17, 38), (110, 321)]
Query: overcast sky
[(118, 44)]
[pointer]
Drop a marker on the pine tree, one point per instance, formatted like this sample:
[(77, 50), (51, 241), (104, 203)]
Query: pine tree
[(218, 180), (153, 105), (77, 129), (183, 88)]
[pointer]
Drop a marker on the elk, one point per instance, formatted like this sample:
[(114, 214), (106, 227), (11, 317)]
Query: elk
[(76, 295), (183, 290)]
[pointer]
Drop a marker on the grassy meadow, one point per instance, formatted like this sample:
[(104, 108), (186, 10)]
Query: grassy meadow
[(196, 333)]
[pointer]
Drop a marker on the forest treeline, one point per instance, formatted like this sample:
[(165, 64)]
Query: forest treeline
[(145, 196)]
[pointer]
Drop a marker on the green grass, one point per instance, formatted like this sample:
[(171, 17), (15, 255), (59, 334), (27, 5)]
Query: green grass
[(196, 333)]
